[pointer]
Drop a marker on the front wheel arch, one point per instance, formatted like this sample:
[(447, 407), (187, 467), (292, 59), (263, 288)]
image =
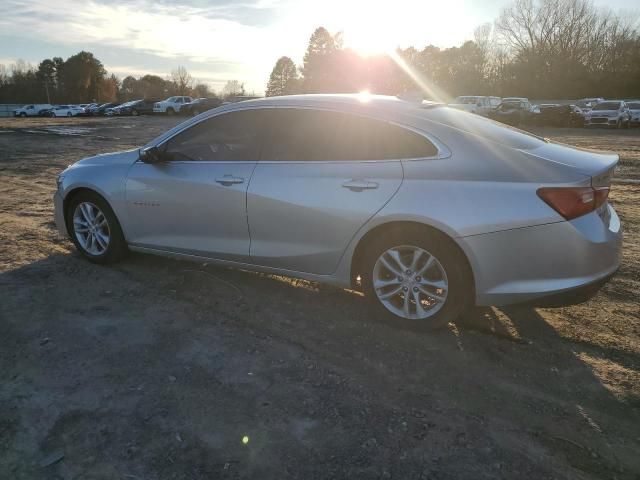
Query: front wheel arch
[(120, 247)]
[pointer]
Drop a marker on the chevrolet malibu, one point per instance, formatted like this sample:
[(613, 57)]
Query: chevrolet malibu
[(425, 208)]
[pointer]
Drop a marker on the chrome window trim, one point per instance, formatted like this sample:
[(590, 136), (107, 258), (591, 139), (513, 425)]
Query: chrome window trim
[(443, 152)]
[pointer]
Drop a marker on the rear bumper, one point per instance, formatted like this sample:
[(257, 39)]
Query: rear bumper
[(545, 261), (572, 296)]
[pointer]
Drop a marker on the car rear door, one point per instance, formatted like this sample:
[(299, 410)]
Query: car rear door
[(321, 176), (195, 202)]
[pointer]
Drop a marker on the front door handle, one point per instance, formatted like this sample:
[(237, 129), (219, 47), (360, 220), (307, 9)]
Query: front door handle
[(229, 180), (359, 185)]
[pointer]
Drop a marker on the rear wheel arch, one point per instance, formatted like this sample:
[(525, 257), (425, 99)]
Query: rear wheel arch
[(397, 228)]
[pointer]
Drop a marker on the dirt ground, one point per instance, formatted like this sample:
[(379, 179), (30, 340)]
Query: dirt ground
[(159, 369)]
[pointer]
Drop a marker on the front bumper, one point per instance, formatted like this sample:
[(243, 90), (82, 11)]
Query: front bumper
[(602, 121), (58, 209), (525, 264)]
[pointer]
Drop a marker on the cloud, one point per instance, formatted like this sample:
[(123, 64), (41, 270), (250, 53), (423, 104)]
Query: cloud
[(227, 36)]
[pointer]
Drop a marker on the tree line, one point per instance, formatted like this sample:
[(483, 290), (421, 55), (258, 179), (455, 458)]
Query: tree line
[(82, 78), (540, 49)]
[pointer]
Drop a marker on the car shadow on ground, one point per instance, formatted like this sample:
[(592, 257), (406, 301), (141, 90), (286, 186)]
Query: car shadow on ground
[(503, 382)]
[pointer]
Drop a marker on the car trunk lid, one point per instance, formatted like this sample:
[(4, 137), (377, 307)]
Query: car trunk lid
[(598, 165)]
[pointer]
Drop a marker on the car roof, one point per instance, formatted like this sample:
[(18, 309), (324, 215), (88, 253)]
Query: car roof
[(375, 102)]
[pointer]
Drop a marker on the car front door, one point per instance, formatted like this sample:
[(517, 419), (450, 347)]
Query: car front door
[(321, 176), (194, 202)]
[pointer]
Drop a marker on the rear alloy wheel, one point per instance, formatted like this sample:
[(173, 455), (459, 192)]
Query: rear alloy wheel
[(195, 112), (94, 228), (417, 277), (410, 282)]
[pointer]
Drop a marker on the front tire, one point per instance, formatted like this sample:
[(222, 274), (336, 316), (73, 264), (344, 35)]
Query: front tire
[(417, 278), (170, 111), (94, 228), (134, 112)]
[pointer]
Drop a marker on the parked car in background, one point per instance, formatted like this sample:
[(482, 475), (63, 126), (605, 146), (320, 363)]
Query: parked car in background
[(513, 112), (66, 111), (33, 110), (586, 104), (558, 116), (479, 105), (426, 208), (171, 105), (136, 107), (525, 101), (88, 107), (610, 113), (110, 111), (634, 111), (200, 105), (100, 109)]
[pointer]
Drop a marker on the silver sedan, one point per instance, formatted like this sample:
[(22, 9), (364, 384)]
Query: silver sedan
[(425, 208)]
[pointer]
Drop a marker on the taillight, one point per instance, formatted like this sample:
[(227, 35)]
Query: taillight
[(572, 202)]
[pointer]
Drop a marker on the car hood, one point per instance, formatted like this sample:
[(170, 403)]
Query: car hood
[(117, 158)]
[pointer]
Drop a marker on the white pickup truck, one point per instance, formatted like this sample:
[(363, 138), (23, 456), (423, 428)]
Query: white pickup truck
[(34, 110), (171, 105), (480, 105)]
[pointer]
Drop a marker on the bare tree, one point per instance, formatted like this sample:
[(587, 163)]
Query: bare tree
[(182, 80), (233, 88)]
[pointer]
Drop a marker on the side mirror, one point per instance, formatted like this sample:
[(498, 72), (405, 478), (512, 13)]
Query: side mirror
[(151, 155)]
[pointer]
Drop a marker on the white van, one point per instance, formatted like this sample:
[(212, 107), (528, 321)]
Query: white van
[(34, 110)]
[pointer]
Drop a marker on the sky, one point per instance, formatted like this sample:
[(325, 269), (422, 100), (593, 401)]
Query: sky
[(220, 40)]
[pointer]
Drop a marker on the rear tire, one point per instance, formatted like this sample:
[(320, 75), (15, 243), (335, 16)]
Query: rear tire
[(94, 228), (440, 270)]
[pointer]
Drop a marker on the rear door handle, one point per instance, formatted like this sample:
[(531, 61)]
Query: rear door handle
[(229, 180), (359, 185)]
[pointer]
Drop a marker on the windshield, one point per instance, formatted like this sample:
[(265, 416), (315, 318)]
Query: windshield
[(607, 106)]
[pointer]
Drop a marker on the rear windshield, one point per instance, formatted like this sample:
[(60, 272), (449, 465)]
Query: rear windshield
[(607, 106), (485, 128)]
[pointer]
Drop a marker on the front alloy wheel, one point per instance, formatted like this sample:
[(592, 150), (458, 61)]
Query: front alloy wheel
[(94, 228), (410, 282), (91, 228)]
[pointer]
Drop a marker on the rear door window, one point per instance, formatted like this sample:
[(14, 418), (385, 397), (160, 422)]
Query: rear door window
[(317, 135)]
